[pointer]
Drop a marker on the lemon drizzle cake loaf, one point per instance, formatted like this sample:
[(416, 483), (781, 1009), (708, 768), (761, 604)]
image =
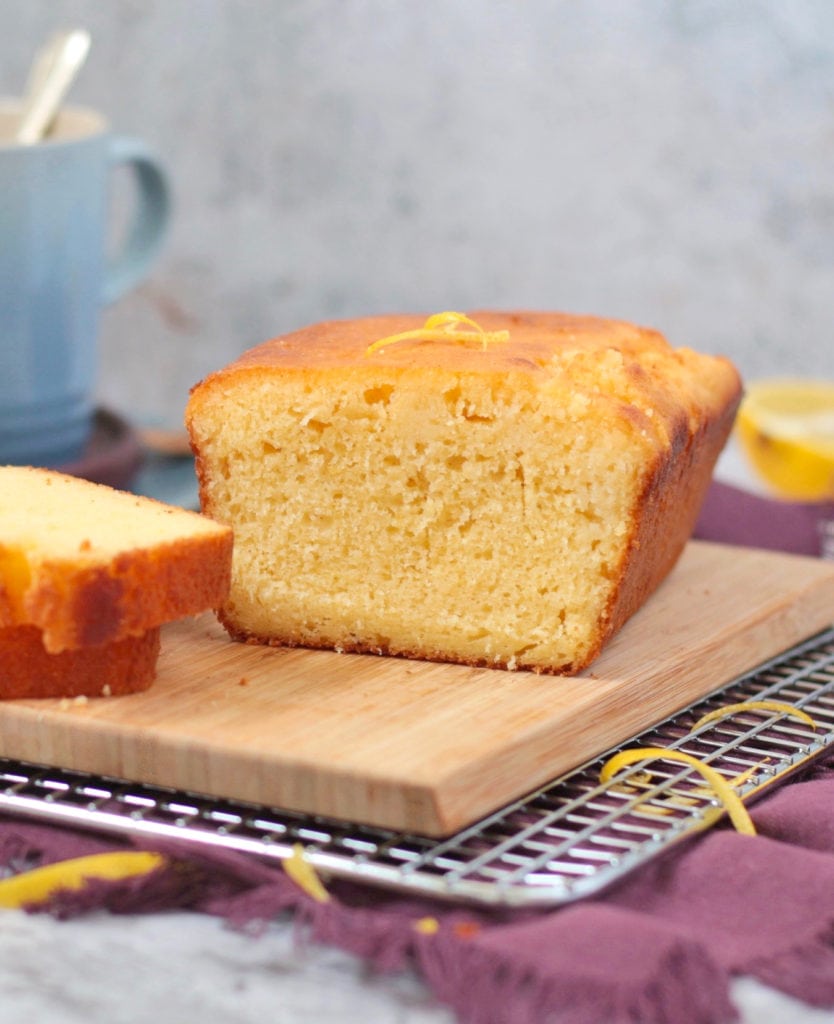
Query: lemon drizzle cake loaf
[(500, 489)]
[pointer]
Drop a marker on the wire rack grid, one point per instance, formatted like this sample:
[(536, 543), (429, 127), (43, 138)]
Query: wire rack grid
[(567, 840)]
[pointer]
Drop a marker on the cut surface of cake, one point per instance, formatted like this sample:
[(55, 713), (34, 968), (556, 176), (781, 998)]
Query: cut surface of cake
[(87, 565), (500, 489)]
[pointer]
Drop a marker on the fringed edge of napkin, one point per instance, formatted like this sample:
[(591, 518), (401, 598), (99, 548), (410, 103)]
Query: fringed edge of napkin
[(805, 971)]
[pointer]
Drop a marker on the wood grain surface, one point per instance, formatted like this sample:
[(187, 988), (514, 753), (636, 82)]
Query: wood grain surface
[(414, 745)]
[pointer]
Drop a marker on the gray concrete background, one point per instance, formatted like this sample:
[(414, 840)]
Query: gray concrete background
[(665, 161)]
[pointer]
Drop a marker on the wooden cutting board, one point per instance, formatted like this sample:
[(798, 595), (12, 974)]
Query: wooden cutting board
[(413, 745)]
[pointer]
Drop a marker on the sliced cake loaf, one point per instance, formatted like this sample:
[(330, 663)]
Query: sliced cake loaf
[(500, 489)]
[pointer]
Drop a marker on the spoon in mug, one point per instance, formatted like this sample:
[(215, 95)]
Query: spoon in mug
[(53, 72)]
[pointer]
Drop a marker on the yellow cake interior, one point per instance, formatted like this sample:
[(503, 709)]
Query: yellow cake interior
[(506, 495), (486, 520)]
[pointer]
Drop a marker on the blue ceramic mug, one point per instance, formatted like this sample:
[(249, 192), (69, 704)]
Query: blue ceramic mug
[(56, 274)]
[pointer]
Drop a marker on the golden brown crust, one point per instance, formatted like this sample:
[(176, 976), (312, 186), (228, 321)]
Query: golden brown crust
[(666, 517), (30, 671), (81, 605), (415, 653), (563, 347), (534, 338)]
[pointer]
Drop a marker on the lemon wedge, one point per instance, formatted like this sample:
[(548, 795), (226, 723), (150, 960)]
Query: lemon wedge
[(785, 427)]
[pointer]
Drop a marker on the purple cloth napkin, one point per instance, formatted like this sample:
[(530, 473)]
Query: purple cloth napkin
[(732, 515), (661, 947)]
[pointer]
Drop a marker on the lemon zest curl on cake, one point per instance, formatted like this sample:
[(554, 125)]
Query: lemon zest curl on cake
[(447, 326)]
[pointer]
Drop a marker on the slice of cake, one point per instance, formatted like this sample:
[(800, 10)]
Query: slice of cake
[(88, 574), (500, 489)]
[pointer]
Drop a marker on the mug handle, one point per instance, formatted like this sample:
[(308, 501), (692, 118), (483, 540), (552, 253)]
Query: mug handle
[(150, 218)]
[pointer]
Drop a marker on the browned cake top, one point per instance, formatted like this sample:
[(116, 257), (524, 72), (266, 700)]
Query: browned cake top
[(550, 353), (533, 340)]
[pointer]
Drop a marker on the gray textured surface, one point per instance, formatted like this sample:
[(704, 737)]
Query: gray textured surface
[(666, 161), (177, 968)]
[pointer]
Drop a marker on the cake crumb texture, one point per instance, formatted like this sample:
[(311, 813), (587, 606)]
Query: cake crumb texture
[(506, 505)]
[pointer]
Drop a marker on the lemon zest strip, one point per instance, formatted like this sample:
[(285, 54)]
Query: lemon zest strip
[(680, 801), (737, 781), (302, 872), (444, 327), (719, 785), (427, 926), (756, 705), (38, 885)]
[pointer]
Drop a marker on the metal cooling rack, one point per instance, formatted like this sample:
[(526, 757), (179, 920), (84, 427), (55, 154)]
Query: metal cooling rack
[(569, 839)]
